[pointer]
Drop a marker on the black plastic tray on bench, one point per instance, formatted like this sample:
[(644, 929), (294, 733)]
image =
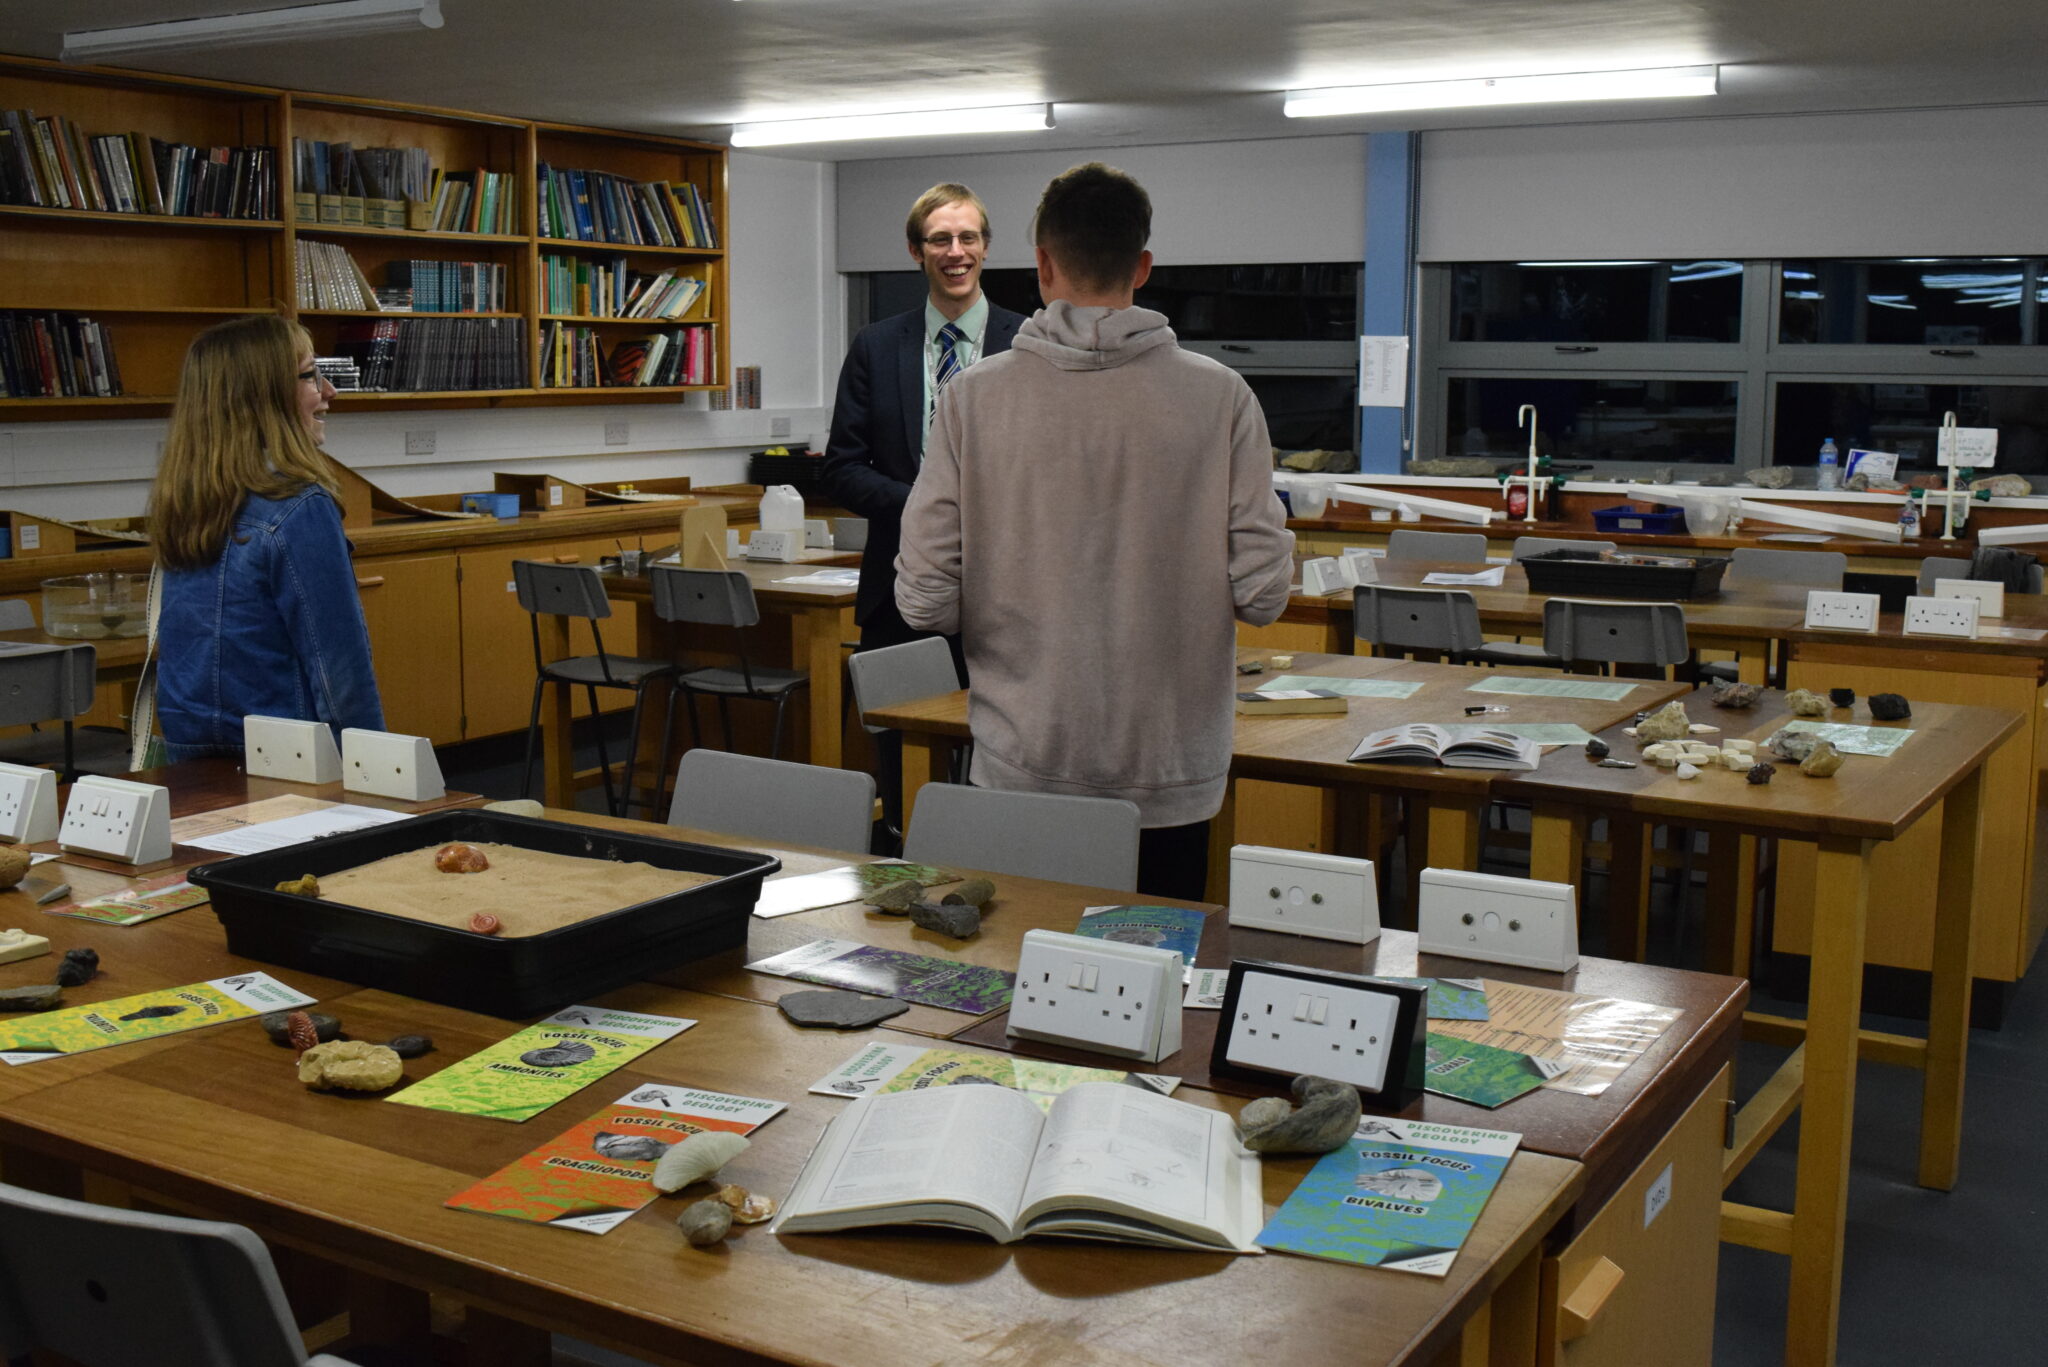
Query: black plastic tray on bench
[(524, 976), (1624, 574)]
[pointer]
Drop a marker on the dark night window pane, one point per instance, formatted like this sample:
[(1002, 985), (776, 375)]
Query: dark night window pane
[(1654, 422), (1594, 302), (1903, 417), (1953, 302), (1295, 303)]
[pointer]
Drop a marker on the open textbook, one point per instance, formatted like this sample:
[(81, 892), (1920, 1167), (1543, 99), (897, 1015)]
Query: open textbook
[(1459, 748), (1106, 1162)]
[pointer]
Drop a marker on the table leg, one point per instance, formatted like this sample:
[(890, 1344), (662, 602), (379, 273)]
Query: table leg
[(494, 1341), (1557, 843), (557, 741), (1731, 901), (814, 646), (1453, 825), (1948, 1017), (1828, 1110), (1753, 664), (1629, 858), (926, 759)]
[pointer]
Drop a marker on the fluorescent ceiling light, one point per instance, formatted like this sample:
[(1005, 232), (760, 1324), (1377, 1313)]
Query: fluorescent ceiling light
[(1660, 83), (1004, 118), (343, 18)]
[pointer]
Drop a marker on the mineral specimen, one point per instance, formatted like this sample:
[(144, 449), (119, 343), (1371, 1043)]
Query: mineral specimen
[(305, 885), (1822, 763), (695, 1158), (79, 967), (629, 1148), (14, 865), (1688, 771), (350, 1065), (1327, 1113), (841, 1010), (1802, 702), (459, 858), (2003, 486), (150, 1013), (407, 1046), (19, 944), (896, 898), (975, 892), (1842, 697), (1889, 707), (746, 1207), (31, 997), (1760, 774), (956, 919), (1252, 667), (559, 1056), (705, 1223), (1669, 722), (483, 923), (1735, 694), (1700, 728), (1596, 748), (1792, 745), (1770, 477), (277, 1025)]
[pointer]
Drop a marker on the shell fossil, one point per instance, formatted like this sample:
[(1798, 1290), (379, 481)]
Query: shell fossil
[(696, 1158)]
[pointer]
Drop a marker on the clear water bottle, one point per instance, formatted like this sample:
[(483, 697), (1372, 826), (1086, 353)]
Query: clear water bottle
[(1829, 475), (1909, 519)]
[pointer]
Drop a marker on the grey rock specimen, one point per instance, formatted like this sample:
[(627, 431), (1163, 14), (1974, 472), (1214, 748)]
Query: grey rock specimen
[(955, 919), (897, 898), (1596, 748), (1842, 697), (405, 1046), (31, 997), (842, 1010), (1792, 745), (78, 968), (628, 1148), (1716, 479), (1770, 477), (558, 1056), (1804, 702), (1458, 467), (1250, 667), (705, 1223), (2003, 486), (1326, 1116), (1760, 774), (1668, 722), (975, 892), (1822, 763), (1863, 483), (1890, 707), (1735, 694), (276, 1025)]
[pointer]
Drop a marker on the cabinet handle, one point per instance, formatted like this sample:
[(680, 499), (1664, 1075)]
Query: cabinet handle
[(1576, 350), (1581, 1306), (375, 581), (1951, 351)]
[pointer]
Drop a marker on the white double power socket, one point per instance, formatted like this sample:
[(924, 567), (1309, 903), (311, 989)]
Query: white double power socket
[(387, 764), (1324, 576), (288, 749), (28, 804), (785, 545), (1934, 616), (1328, 896), (1828, 611), (1989, 593), (1288, 1020), (1097, 994), (117, 819), (1503, 920)]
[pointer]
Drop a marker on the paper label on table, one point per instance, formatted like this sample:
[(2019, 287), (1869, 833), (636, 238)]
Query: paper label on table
[(133, 906), (1542, 732), (1582, 1043), (1479, 1073), (1400, 1194), (1383, 372), (2014, 633), (1350, 688), (1973, 448), (913, 1068), (1206, 987), (1487, 578), (919, 978), (822, 579), (296, 830), (1882, 741), (146, 1015), (592, 1177), (1598, 690), (519, 1077), (186, 829), (1176, 928), (848, 883)]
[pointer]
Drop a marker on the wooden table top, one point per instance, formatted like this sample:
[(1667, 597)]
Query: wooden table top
[(769, 578), (1870, 798)]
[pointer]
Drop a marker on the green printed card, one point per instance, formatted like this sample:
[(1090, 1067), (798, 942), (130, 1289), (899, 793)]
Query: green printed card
[(1176, 928), (1478, 1073), (1882, 741), (132, 906), (1350, 688), (1450, 999), (1600, 690), (519, 1077), (147, 1015), (849, 883), (945, 983)]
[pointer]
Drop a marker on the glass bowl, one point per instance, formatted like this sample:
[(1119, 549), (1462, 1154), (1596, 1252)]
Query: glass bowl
[(95, 606)]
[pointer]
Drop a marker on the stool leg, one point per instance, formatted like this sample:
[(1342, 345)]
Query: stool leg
[(668, 722), (532, 738), (725, 723), (604, 759), (633, 750), (696, 726), (775, 736)]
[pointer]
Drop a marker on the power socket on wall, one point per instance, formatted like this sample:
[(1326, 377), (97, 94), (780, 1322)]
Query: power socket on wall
[(117, 819), (1826, 611), (419, 443), (1942, 617), (1097, 994), (617, 433), (1502, 920), (1285, 1020), (28, 804), (1326, 896)]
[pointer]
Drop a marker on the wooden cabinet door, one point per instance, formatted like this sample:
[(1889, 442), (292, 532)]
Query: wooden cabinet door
[(410, 605), (497, 642)]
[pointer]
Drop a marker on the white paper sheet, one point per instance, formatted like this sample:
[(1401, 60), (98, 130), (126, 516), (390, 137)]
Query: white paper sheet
[(296, 830)]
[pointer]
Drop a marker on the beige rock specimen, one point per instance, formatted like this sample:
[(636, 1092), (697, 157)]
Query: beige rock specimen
[(14, 862), (1804, 702), (1668, 723), (350, 1065), (1823, 762), (705, 1222)]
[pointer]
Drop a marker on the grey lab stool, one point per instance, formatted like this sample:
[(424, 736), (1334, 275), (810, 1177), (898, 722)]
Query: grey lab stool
[(577, 591), (916, 669), (1597, 631), (1958, 567), (722, 598), (111, 1288), (1398, 621), (1762, 565), (1468, 547), (1090, 840), (774, 800)]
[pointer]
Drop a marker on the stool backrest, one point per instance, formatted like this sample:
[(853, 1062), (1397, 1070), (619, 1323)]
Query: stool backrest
[(774, 800), (1089, 840), (40, 683), (1469, 547), (718, 598), (1802, 569), (561, 590), (905, 673), (1416, 619), (1576, 629), (1526, 546), (849, 534), (1958, 567)]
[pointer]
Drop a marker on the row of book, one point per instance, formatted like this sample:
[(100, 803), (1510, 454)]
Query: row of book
[(51, 163), (433, 354), (597, 206), (342, 168), (573, 357), (398, 187), (449, 286), (55, 356), (608, 289), (328, 278)]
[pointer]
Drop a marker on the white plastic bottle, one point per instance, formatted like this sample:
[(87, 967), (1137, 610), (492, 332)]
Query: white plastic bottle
[(1829, 475), (1909, 520)]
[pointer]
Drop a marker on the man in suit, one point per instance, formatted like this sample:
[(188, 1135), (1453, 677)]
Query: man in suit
[(890, 382)]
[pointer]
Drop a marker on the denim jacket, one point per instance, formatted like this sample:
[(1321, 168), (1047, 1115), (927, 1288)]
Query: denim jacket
[(274, 628)]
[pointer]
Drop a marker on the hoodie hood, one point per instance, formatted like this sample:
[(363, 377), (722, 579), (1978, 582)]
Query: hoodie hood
[(1092, 338)]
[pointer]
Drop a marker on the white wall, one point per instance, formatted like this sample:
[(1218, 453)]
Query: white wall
[(1213, 203), (786, 316), (1941, 182)]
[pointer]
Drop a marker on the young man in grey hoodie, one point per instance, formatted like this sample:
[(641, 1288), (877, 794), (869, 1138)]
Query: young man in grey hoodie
[(1094, 510)]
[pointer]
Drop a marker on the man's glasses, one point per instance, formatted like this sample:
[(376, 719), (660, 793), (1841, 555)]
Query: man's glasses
[(940, 242)]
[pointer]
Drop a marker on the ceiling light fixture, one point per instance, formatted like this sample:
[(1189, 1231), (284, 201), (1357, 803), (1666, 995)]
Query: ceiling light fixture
[(1653, 84), (1004, 118), (343, 18)]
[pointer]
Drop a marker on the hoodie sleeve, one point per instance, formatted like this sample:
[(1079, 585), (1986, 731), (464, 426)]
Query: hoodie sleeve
[(1261, 547), (928, 555)]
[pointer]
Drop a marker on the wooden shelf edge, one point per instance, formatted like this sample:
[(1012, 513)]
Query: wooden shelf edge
[(628, 322), (415, 234), (250, 225), (395, 313), (628, 249), (167, 310)]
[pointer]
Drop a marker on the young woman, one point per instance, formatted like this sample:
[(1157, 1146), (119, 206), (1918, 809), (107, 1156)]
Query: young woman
[(259, 610)]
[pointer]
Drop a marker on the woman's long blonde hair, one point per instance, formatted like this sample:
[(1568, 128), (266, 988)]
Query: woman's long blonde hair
[(236, 431)]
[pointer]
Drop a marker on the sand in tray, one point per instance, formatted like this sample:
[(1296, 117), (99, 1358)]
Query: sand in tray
[(529, 891)]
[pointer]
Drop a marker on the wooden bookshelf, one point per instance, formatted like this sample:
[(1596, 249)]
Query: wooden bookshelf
[(153, 280)]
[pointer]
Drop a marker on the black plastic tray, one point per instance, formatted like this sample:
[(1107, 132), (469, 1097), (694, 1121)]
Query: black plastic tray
[(1619, 574), (527, 976)]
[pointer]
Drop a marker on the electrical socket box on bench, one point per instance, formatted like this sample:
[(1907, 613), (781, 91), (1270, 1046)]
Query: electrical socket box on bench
[(1097, 994)]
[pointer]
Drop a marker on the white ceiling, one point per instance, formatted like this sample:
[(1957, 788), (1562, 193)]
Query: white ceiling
[(1120, 71)]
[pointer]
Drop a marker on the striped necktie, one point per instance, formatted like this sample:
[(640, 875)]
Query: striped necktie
[(949, 360)]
